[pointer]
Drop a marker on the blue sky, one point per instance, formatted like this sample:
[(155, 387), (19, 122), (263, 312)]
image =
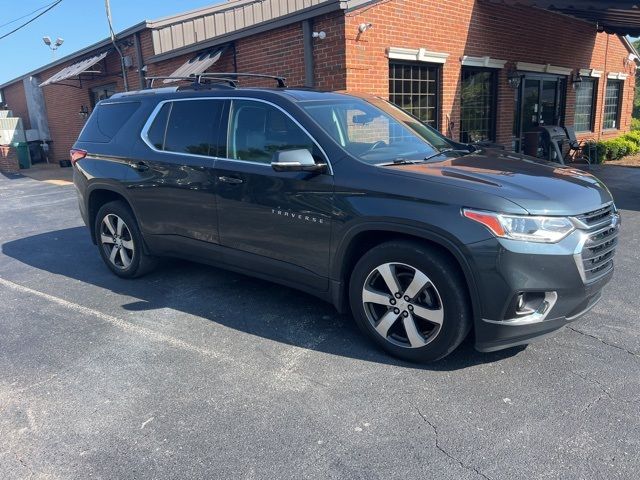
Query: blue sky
[(79, 22)]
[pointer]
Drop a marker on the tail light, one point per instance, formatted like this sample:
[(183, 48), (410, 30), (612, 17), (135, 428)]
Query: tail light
[(77, 154)]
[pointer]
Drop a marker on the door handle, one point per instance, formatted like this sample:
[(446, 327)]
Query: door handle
[(140, 166), (231, 180)]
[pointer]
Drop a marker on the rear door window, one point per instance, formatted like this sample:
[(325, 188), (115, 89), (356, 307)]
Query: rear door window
[(192, 127), (158, 128), (106, 121)]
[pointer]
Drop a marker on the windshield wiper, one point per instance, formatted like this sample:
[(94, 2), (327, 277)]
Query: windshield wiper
[(438, 153), (400, 161), (445, 150)]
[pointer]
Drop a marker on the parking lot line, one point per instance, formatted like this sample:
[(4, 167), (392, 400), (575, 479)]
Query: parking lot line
[(118, 322)]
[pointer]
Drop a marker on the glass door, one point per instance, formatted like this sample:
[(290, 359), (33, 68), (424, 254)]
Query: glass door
[(540, 102)]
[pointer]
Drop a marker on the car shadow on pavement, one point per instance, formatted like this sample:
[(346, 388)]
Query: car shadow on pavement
[(236, 301)]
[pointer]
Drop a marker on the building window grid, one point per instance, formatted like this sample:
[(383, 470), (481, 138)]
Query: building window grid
[(612, 98), (477, 109), (585, 96), (414, 88)]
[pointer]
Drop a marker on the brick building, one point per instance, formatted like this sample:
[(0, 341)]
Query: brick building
[(475, 69)]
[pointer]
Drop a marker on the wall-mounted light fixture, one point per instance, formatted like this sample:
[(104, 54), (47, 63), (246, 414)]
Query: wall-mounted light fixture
[(84, 112), (363, 27), (319, 35), (513, 77), (576, 80)]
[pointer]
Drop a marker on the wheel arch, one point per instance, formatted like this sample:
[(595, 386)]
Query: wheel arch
[(363, 237), (98, 196)]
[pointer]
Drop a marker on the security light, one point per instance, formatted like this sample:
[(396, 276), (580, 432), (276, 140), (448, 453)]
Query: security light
[(53, 46), (319, 35), (363, 27)]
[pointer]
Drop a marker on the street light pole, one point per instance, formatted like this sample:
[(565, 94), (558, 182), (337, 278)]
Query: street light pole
[(53, 46)]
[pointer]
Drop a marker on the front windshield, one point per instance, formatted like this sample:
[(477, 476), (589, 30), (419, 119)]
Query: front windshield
[(376, 134)]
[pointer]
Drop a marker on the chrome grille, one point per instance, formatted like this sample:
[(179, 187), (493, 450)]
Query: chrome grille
[(596, 218), (601, 228)]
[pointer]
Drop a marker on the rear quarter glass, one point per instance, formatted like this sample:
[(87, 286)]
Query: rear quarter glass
[(106, 121)]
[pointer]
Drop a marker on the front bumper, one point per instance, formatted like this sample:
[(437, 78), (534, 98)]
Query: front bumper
[(506, 268), (492, 336)]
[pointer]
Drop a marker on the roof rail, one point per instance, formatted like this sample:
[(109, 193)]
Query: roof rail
[(234, 76), (195, 80)]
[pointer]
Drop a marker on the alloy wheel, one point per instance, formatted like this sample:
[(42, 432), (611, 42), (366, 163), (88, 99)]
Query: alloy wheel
[(403, 305), (116, 240)]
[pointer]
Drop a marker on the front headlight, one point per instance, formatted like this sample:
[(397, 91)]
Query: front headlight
[(523, 227)]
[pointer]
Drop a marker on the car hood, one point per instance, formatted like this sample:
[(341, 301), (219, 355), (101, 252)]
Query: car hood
[(538, 186)]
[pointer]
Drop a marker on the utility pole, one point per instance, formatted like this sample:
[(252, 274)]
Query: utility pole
[(107, 7)]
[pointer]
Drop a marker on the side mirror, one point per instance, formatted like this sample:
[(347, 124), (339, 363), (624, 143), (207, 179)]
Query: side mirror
[(299, 160)]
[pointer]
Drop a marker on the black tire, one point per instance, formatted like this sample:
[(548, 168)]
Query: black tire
[(139, 263), (446, 294)]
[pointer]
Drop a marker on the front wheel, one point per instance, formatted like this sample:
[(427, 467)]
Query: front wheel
[(410, 299), (120, 242)]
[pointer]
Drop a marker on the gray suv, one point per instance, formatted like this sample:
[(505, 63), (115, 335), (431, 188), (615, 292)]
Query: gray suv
[(351, 199)]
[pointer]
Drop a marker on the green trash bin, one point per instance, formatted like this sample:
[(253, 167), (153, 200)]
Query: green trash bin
[(24, 158)]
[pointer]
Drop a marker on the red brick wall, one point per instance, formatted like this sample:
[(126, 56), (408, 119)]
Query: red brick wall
[(17, 102), (276, 52), (8, 160), (466, 27), (329, 55)]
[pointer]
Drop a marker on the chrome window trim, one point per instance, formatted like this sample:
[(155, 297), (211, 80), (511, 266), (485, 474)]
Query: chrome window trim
[(145, 129)]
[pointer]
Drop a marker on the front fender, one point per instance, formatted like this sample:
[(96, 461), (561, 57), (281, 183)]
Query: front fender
[(440, 238)]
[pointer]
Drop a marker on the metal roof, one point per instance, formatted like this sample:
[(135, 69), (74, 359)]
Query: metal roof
[(206, 27), (194, 27), (75, 69), (621, 17)]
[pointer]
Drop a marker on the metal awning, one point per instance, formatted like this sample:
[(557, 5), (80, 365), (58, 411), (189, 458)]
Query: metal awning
[(198, 64), (75, 69), (621, 17)]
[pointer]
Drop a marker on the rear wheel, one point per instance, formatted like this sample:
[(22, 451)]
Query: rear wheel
[(120, 242), (411, 300)]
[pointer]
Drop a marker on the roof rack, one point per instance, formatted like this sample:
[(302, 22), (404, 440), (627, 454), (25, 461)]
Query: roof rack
[(195, 80), (281, 81)]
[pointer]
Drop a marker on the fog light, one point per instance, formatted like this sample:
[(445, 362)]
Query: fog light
[(520, 302)]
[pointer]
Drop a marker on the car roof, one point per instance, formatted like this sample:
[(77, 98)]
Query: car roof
[(165, 93)]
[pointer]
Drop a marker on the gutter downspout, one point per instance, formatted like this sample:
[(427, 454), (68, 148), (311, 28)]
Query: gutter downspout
[(307, 41), (139, 60)]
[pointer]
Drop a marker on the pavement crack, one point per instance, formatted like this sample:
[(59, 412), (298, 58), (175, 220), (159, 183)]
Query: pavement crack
[(602, 387), (445, 452), (630, 352)]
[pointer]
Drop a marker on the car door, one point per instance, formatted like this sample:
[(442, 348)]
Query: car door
[(282, 216), (174, 186)]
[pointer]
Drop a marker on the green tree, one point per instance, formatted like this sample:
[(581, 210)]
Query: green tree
[(636, 98)]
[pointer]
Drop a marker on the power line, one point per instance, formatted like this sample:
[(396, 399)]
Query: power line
[(26, 15), (31, 20)]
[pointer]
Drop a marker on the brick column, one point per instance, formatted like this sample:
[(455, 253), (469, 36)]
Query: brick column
[(8, 159)]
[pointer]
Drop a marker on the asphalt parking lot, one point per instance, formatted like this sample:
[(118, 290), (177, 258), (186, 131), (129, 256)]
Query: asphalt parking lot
[(195, 372)]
